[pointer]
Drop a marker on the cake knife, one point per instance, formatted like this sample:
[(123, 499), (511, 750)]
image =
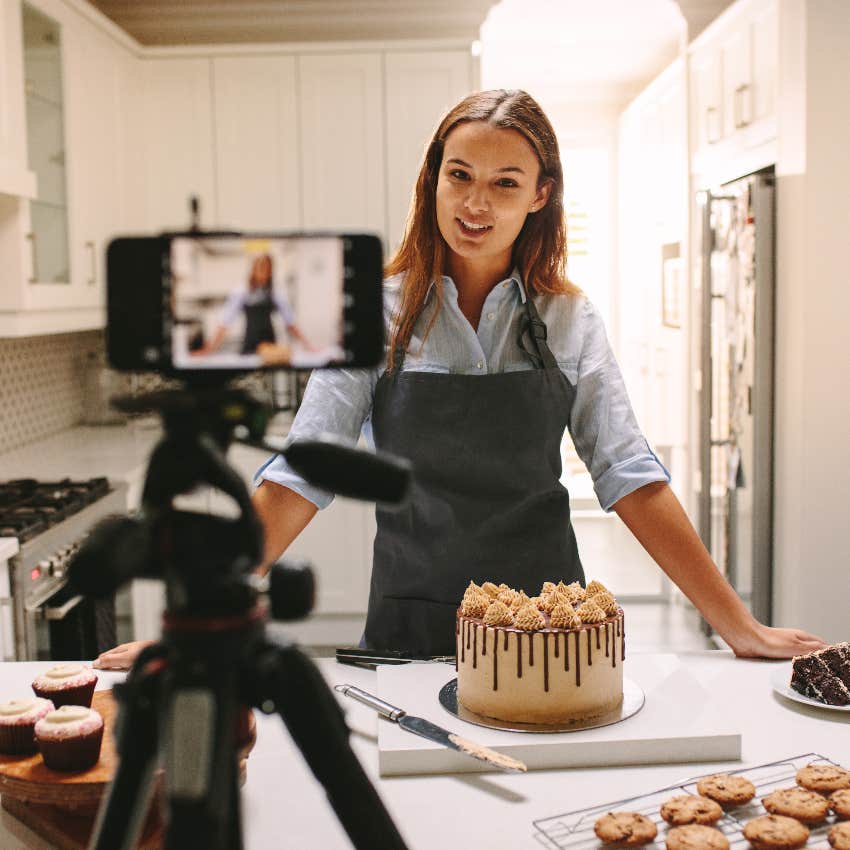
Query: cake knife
[(426, 729)]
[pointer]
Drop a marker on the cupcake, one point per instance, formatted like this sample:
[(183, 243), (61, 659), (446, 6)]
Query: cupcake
[(70, 737), (17, 720), (66, 684)]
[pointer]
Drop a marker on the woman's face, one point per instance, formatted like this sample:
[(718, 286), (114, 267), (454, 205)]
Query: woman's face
[(486, 187)]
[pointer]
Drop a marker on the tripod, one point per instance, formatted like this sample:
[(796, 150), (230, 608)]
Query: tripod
[(183, 697)]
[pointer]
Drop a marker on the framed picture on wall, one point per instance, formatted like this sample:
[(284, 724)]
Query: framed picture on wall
[(672, 286)]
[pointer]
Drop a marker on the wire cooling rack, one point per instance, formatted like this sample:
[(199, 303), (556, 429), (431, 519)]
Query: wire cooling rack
[(574, 830)]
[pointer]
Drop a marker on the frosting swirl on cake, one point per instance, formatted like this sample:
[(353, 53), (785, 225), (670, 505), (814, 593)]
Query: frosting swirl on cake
[(474, 605), (529, 619), (590, 612), (563, 616), (498, 614)]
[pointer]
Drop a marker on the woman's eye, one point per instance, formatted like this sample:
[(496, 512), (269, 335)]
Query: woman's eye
[(507, 183), (458, 174)]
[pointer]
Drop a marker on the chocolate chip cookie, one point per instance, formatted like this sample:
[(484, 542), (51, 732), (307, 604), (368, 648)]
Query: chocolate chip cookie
[(689, 808), (823, 777), (626, 829), (839, 836), (800, 803), (776, 832), (839, 802), (696, 837), (726, 789)]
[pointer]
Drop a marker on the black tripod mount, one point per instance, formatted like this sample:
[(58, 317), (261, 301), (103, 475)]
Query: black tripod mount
[(185, 699)]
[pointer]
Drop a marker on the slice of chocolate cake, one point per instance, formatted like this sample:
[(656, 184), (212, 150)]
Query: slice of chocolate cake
[(824, 675)]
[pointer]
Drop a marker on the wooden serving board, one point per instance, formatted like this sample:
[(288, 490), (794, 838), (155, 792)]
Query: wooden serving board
[(28, 779), (61, 806)]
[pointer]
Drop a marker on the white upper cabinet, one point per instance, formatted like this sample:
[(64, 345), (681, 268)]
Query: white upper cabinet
[(342, 142), (16, 178), (421, 87), (178, 142), (256, 142), (733, 71)]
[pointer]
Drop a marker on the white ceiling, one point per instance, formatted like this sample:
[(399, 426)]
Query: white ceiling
[(599, 50)]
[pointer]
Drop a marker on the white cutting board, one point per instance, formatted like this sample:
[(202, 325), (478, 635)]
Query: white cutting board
[(682, 720)]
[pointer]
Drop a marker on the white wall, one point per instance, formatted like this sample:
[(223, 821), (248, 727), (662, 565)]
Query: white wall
[(812, 536)]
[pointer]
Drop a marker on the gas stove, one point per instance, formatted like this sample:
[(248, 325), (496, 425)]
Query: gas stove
[(28, 507), (49, 520)]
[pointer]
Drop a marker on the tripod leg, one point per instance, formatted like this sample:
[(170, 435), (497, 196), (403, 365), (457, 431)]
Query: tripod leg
[(123, 812), (283, 674)]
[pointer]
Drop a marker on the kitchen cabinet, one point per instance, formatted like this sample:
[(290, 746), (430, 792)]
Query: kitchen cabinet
[(177, 135), (53, 245), (342, 141), (255, 100), (421, 86), (17, 180), (733, 71)]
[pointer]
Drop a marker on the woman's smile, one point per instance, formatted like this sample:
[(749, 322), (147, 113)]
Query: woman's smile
[(472, 229)]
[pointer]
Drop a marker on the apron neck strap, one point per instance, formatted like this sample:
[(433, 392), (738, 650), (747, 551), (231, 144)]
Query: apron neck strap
[(532, 337)]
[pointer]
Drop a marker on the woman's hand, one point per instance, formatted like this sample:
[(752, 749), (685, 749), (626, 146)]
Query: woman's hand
[(769, 642), (120, 657)]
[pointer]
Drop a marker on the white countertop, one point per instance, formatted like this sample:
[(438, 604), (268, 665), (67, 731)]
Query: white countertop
[(119, 452), (283, 806)]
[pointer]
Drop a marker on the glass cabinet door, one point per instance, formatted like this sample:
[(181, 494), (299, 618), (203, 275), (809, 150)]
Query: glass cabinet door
[(46, 147)]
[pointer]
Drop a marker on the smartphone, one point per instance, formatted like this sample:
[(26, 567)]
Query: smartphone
[(193, 303)]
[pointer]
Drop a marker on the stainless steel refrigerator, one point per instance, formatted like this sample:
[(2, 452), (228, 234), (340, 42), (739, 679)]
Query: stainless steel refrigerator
[(736, 397)]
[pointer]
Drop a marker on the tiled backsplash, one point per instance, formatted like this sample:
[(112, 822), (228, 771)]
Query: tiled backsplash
[(50, 383), (42, 386)]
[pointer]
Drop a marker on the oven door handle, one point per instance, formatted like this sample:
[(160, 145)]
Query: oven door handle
[(60, 613)]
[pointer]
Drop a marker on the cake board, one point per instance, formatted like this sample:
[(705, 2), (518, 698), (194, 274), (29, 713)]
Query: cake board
[(681, 721)]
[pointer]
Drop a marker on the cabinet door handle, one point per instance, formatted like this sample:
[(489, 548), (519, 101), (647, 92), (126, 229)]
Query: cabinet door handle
[(740, 120), (710, 123), (92, 264), (34, 255)]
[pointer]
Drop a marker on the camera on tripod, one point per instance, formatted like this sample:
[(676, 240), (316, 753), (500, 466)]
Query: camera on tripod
[(206, 307)]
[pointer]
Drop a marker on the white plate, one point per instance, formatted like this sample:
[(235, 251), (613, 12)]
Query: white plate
[(781, 678)]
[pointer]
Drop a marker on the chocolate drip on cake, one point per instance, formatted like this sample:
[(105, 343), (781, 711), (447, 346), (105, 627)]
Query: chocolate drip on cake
[(606, 640), (556, 644), (531, 649), (496, 661), (578, 661), (463, 628), (474, 646), (519, 655), (622, 623), (506, 641), (566, 652), (597, 635), (484, 641), (589, 652), (545, 661)]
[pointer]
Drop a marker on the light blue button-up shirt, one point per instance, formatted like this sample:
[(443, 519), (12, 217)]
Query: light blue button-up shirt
[(602, 423)]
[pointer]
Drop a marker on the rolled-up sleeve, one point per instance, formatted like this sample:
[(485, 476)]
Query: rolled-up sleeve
[(336, 403), (602, 424)]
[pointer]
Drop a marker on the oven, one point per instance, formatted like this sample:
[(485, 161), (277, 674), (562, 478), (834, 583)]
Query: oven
[(41, 618)]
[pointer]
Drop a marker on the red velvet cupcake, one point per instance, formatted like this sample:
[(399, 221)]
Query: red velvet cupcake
[(70, 737), (66, 684), (17, 721)]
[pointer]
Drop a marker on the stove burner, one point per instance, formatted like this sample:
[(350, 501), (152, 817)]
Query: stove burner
[(28, 507)]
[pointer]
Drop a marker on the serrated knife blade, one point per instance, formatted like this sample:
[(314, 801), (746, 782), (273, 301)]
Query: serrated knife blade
[(426, 729)]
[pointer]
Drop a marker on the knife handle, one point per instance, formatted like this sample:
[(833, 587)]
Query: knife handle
[(370, 700)]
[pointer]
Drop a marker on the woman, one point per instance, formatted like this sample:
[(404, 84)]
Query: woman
[(493, 353), (257, 303)]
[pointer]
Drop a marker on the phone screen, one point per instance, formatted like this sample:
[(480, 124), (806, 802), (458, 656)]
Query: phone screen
[(242, 302)]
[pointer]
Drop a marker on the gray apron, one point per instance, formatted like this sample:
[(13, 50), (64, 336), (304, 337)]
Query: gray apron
[(486, 502), (258, 322)]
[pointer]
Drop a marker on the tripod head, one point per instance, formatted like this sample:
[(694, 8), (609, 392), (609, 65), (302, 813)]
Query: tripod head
[(184, 695)]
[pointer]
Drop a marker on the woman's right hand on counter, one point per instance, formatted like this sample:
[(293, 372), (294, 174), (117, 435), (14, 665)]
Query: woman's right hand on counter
[(120, 657)]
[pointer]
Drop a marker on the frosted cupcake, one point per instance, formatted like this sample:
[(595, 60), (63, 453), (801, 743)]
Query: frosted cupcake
[(17, 721), (70, 737), (66, 684)]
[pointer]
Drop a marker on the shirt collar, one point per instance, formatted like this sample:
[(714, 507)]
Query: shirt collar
[(514, 277)]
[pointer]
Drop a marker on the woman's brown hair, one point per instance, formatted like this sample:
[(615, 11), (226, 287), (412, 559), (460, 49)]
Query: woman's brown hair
[(540, 250)]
